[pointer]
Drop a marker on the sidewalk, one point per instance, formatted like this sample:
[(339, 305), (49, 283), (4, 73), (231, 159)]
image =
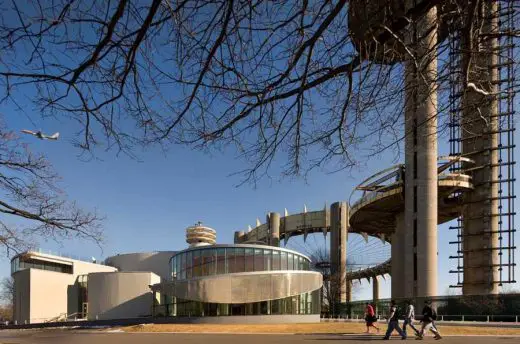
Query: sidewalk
[(442, 323)]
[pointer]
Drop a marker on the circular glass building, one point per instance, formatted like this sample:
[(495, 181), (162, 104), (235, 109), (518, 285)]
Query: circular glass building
[(239, 280)]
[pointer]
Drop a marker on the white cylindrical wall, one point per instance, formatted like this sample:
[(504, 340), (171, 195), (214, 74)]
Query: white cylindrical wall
[(120, 295), (156, 262)]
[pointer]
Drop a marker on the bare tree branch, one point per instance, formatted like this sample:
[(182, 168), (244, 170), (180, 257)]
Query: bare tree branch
[(291, 82), (32, 205)]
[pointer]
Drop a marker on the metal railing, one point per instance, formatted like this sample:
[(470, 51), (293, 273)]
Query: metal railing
[(393, 177), (501, 307), (68, 255), (454, 318)]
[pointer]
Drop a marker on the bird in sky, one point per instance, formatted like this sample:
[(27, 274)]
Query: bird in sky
[(41, 135)]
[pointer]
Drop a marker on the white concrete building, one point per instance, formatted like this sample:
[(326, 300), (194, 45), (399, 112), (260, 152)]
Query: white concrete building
[(120, 295), (206, 282), (54, 288), (49, 287)]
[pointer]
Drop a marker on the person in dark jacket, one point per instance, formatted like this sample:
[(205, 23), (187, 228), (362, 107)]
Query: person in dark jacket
[(393, 322), (428, 321)]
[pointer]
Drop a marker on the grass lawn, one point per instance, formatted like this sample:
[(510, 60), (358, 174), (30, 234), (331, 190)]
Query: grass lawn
[(318, 328)]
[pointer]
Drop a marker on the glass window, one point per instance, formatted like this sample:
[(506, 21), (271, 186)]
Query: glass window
[(189, 264), (290, 261), (295, 305), (240, 260), (196, 264), (178, 263), (15, 265), (230, 259), (212, 268), (267, 260), (305, 264), (303, 303), (259, 260), (300, 304), (276, 260), (249, 307), (265, 307), (249, 260), (183, 265), (276, 305), (221, 261), (283, 260), (204, 262), (173, 267), (223, 309), (208, 262)]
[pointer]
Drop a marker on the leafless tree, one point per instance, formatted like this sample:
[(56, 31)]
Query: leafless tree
[(32, 204), (333, 282), (268, 77), (279, 81), (7, 296), (7, 290)]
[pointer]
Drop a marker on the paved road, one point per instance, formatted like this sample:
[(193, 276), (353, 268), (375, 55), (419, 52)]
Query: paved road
[(84, 337)]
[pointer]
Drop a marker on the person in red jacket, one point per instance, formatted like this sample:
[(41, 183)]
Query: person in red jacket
[(370, 317)]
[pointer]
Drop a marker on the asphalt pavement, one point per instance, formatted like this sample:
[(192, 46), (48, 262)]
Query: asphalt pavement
[(99, 337)]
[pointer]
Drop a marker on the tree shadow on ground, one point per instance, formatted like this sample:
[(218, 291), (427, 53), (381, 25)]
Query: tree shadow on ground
[(359, 338)]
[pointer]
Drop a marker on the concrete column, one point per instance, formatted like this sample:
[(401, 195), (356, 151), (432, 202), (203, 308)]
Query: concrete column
[(338, 248), (397, 266), (480, 223), (239, 237), (375, 292), (273, 221), (154, 304), (421, 160), (406, 233)]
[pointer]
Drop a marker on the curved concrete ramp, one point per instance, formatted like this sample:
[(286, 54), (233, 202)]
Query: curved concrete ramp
[(305, 223)]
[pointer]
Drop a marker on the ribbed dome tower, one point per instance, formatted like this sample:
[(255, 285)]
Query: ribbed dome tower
[(199, 235)]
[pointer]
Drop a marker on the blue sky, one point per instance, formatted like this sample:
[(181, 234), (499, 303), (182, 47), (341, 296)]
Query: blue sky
[(149, 203)]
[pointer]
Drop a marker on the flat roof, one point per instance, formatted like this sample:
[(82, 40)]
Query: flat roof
[(264, 247)]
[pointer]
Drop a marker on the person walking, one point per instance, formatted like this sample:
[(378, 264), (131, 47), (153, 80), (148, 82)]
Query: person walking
[(409, 318), (428, 321), (393, 321), (370, 317)]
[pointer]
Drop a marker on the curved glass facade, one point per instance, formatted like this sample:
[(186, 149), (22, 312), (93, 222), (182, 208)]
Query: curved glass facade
[(215, 260), (308, 303), (222, 259)]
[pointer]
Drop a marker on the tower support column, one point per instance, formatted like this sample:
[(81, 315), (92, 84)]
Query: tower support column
[(480, 237), (397, 268), (421, 160), (375, 292), (273, 220), (339, 214)]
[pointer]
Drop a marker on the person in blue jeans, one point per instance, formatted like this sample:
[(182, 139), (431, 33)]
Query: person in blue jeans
[(393, 322)]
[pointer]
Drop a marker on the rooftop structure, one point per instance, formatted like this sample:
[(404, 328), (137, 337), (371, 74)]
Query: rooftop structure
[(199, 235)]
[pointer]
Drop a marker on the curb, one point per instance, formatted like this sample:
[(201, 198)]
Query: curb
[(361, 335)]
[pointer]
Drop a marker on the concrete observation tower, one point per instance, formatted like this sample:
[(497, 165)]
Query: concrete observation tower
[(481, 140), (472, 184)]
